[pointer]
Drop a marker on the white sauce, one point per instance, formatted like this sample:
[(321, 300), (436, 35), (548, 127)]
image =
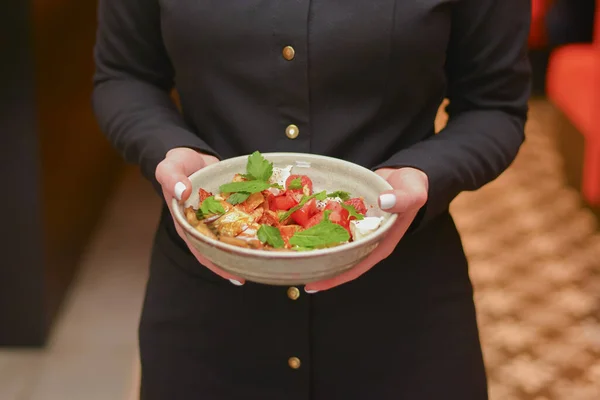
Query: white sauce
[(280, 175), (321, 204), (364, 227)]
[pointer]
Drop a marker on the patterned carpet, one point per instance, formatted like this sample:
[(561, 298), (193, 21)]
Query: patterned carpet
[(535, 256)]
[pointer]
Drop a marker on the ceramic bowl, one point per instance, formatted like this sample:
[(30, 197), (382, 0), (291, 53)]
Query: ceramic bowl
[(290, 268)]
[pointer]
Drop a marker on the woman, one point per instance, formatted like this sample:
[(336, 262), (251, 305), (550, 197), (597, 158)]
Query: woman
[(358, 80)]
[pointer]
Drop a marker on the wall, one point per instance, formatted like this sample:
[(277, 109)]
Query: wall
[(60, 165)]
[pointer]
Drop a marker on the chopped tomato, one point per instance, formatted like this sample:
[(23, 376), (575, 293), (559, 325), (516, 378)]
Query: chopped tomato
[(358, 204), (302, 216), (314, 220), (203, 194), (339, 215), (304, 181), (284, 202), (336, 208), (269, 197), (340, 219)]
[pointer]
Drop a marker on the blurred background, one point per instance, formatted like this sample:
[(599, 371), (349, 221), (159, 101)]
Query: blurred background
[(74, 264)]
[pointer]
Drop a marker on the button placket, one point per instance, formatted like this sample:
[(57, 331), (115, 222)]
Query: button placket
[(291, 34), (293, 108)]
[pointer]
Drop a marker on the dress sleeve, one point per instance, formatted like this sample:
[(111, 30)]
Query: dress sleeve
[(132, 85), (488, 75)]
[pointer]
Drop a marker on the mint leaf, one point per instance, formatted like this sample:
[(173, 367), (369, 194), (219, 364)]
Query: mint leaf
[(245, 186), (270, 235), (345, 196), (295, 184), (352, 210), (209, 206), (237, 198), (319, 196), (325, 233), (258, 167)]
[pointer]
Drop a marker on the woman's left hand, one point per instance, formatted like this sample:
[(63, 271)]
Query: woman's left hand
[(408, 197)]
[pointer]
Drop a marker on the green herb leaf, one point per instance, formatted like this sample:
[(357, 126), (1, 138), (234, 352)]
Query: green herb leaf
[(345, 196), (295, 184), (319, 196), (325, 233), (209, 206), (270, 235), (237, 198), (277, 185), (258, 167), (352, 210), (245, 186)]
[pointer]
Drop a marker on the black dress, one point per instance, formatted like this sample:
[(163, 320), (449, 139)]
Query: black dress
[(362, 81)]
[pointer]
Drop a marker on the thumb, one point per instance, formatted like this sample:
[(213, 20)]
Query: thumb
[(172, 173), (409, 193), (396, 201)]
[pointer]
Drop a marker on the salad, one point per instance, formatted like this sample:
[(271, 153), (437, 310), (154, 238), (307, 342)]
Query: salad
[(271, 208)]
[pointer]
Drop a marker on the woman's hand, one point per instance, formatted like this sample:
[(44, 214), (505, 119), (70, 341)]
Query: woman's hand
[(172, 174), (408, 197)]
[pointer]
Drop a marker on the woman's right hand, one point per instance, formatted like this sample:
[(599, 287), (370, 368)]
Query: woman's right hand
[(172, 174)]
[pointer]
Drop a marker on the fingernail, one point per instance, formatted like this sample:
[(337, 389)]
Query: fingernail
[(236, 283), (310, 291), (387, 201), (179, 189)]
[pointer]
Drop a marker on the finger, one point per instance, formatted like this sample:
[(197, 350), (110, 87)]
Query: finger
[(385, 172), (396, 201), (172, 173), (409, 192), (174, 180)]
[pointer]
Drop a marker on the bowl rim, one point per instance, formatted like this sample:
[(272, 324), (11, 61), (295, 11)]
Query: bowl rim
[(177, 209)]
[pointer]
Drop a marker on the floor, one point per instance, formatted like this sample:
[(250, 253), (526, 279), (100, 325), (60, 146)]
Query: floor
[(532, 249), (92, 354)]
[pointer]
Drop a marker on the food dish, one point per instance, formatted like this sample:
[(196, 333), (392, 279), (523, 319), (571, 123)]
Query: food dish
[(287, 266), (270, 208)]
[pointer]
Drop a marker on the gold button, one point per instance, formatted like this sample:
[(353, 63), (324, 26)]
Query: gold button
[(294, 362), (292, 131), (293, 293), (289, 53)]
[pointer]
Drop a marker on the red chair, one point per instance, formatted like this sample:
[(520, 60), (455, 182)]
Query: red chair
[(573, 85)]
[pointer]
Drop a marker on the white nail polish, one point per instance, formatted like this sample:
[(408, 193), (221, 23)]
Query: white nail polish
[(179, 189), (310, 291), (387, 201), (236, 283)]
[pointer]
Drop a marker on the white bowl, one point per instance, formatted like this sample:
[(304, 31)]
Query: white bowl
[(290, 268)]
